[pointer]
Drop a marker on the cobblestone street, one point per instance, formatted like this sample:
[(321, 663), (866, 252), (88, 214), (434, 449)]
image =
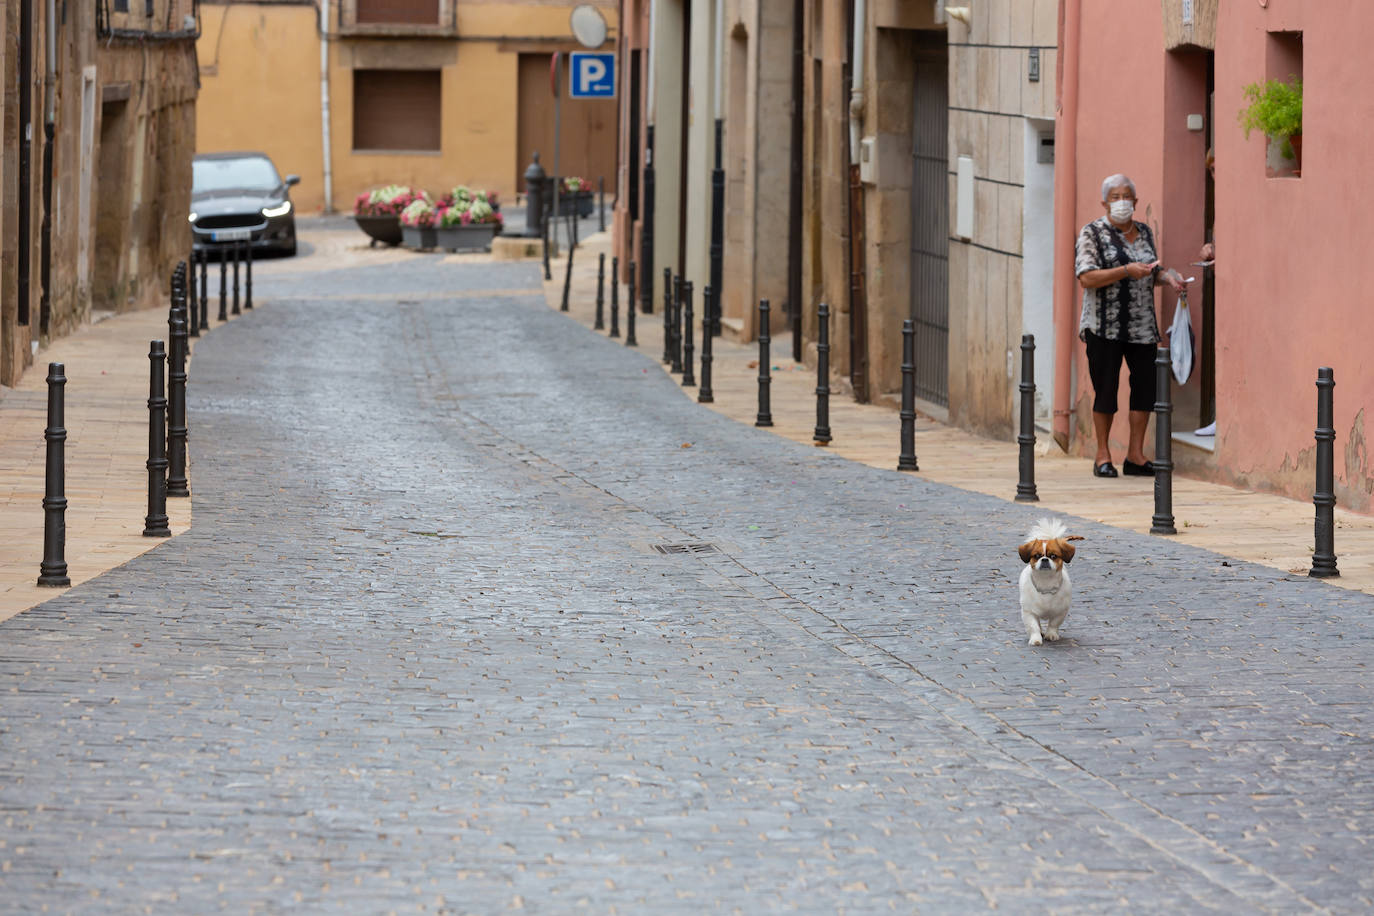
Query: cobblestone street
[(418, 652)]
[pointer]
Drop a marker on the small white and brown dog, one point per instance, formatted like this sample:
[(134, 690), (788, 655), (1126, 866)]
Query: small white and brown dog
[(1045, 585)]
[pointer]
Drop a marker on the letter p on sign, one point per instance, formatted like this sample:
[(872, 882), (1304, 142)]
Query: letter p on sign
[(593, 75)]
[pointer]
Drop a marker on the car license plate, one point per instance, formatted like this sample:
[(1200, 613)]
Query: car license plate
[(231, 235)]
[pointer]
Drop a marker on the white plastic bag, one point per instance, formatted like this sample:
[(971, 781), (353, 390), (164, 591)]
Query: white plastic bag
[(1181, 341)]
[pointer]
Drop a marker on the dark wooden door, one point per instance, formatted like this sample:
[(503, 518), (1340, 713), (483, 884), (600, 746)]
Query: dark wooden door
[(587, 147), (930, 220)]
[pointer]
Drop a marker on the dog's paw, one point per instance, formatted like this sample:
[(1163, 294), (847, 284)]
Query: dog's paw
[(1052, 635), (1034, 640)]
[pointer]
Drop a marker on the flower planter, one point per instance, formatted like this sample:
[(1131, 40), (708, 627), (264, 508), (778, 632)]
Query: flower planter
[(384, 229), (419, 237), (473, 237), (579, 202)]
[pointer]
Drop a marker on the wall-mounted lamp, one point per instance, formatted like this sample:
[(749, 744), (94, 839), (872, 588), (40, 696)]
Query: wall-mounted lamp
[(959, 12)]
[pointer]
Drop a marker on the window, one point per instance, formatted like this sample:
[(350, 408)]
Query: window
[(389, 12), (396, 110), (1283, 62), (121, 6)]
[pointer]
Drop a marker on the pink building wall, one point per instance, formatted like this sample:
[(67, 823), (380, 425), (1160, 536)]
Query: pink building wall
[(1293, 252)]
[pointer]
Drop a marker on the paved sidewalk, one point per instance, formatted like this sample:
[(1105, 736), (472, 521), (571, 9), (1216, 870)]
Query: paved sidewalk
[(1243, 524), (106, 419)]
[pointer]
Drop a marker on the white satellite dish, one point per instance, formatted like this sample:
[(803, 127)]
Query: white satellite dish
[(588, 26)]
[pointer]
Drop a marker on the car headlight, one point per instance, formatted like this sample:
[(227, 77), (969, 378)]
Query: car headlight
[(193, 217), (281, 210)]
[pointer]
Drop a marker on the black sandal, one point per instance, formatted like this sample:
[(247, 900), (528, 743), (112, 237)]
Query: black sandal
[(1104, 469), (1138, 470)]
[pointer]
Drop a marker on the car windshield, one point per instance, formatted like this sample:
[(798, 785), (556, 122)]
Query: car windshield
[(255, 172)]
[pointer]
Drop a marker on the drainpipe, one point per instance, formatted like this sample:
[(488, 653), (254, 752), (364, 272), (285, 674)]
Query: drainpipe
[(1065, 192), (49, 129), (856, 76), (858, 253), (324, 106), (25, 154)]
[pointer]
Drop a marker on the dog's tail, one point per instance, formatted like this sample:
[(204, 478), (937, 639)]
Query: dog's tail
[(1048, 529)]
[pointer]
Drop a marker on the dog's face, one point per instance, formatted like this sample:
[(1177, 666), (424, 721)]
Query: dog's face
[(1046, 555)]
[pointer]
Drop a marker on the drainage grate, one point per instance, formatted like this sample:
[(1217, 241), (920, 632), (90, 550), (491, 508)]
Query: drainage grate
[(685, 548)]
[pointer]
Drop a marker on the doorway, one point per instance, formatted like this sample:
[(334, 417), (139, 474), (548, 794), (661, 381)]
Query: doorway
[(930, 218), (109, 286)]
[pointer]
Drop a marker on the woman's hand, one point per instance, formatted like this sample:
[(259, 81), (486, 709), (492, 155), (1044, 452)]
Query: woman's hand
[(1208, 252), (1138, 270)]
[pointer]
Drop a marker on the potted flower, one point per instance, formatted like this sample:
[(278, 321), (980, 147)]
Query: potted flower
[(461, 196), (417, 223), (1275, 107), (577, 192), (469, 227), (377, 212)]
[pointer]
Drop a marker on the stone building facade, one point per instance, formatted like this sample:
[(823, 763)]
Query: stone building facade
[(98, 135)]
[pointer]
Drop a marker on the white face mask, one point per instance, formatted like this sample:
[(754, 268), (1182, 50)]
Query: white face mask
[(1122, 210)]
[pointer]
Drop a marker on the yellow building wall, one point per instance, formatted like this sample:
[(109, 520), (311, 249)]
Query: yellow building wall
[(260, 90)]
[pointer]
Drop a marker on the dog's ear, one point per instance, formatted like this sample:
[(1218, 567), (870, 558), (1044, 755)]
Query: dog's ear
[(1026, 550), (1067, 550)]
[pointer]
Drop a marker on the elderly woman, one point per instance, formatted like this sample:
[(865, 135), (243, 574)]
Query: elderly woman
[(1118, 267)]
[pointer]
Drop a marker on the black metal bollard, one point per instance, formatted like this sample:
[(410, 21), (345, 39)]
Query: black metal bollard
[(188, 296), (689, 376), (822, 433), (646, 238), (155, 522), (176, 411), (668, 315), (765, 415), (601, 194), (906, 460), (204, 293), (615, 297), (1163, 520), (1025, 484), (567, 280), (236, 310), (223, 289), (544, 233), (631, 306), (675, 327), (248, 268), (534, 199), (53, 569), (704, 394), (1324, 497), (600, 323)]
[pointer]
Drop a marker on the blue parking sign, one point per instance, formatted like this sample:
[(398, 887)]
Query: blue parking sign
[(592, 75)]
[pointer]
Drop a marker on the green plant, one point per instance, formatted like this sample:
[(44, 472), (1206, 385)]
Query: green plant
[(1275, 108)]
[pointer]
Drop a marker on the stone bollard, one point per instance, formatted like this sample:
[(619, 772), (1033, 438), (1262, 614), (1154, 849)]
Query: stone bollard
[(1163, 520), (223, 289), (689, 378), (567, 280), (52, 572), (248, 271), (822, 433), (765, 415), (615, 297), (155, 522), (1324, 496), (236, 310), (704, 394), (631, 306), (600, 323), (906, 460), (1025, 484), (176, 410)]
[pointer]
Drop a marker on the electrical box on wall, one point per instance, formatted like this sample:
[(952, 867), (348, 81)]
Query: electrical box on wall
[(963, 203), (867, 160), (1044, 149)]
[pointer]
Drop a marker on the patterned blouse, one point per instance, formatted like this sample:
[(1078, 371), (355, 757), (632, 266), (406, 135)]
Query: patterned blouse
[(1124, 310)]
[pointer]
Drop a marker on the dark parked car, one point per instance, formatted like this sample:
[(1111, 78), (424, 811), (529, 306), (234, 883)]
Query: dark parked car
[(238, 197)]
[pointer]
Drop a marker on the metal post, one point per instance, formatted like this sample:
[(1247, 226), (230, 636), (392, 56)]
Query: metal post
[(704, 394), (906, 461), (600, 323), (1324, 498), (567, 280), (1163, 520), (717, 231), (765, 415), (675, 327), (176, 410), (223, 290), (646, 239), (1025, 485), (822, 433), (689, 376), (204, 293), (668, 315), (236, 310), (155, 522), (248, 268), (53, 569), (601, 196), (188, 295), (631, 306), (615, 297), (544, 231)]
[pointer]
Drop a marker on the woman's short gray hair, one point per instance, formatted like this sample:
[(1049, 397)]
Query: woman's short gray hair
[(1116, 181)]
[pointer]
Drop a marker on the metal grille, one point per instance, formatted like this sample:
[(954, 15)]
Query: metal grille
[(685, 548), (930, 221), (231, 221)]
